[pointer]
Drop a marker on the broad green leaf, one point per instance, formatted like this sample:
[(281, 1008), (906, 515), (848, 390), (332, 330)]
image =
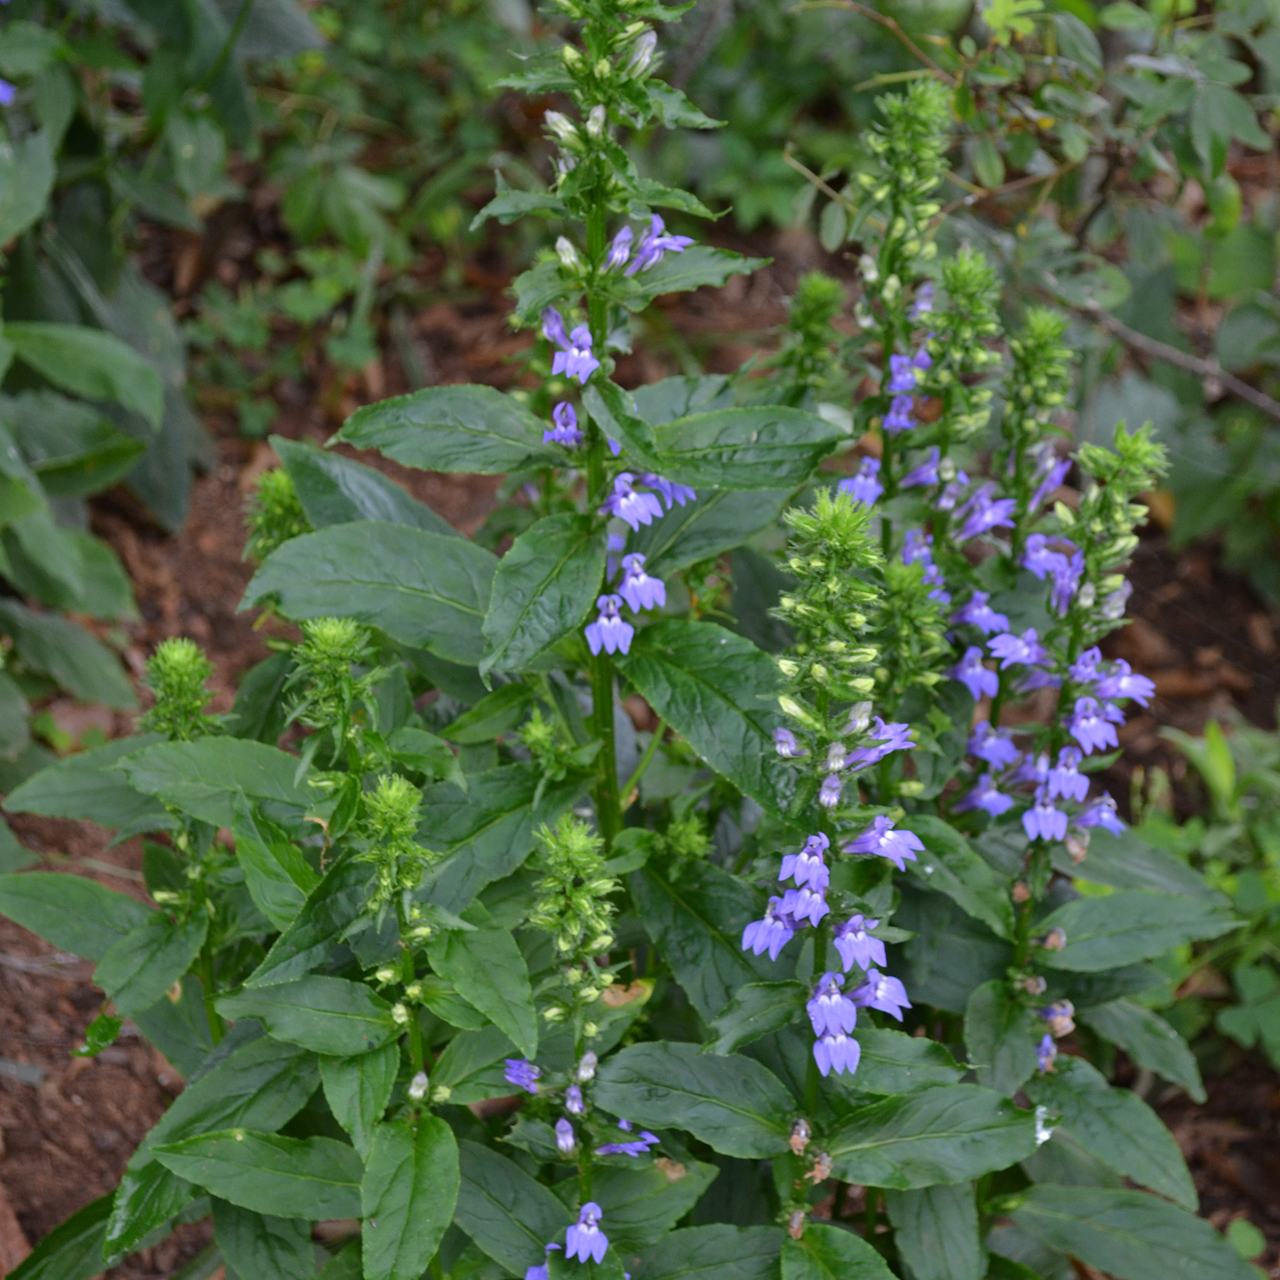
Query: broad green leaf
[(949, 865), (495, 714), (67, 653), (755, 1010), (255, 1245), (309, 1178), (358, 1088), (72, 1251), (471, 1066), (1133, 924), (680, 272), (828, 1252), (733, 1104), (671, 398), (941, 1135), (506, 1212), (423, 752), (1129, 1235), (719, 692), (697, 924), (1149, 1040), (408, 1195), (336, 490), (614, 411), (276, 874), (543, 589), (717, 1252), (1000, 1036), (1127, 862), (510, 204), (144, 1203), (894, 1062), (674, 109), (642, 1204), (1116, 1126), (325, 1015), (27, 171), (205, 777), (72, 912), (473, 429), (423, 589), (936, 1231), (716, 522), (90, 363), (148, 960), (761, 448), (489, 972)]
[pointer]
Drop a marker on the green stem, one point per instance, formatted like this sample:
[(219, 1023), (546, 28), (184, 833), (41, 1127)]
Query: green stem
[(650, 751), (216, 1026), (871, 1214), (606, 789), (408, 974)]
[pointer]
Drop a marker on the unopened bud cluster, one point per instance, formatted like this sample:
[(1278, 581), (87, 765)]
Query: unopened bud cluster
[(175, 674)]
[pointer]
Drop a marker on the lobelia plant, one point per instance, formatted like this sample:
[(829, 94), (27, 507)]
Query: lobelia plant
[(474, 880)]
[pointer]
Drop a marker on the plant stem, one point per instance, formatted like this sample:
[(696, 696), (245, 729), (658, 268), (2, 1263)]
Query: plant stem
[(408, 974), (216, 1027), (606, 789), (645, 760)]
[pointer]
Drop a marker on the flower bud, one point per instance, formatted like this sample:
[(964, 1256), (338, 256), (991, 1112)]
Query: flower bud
[(418, 1087), (596, 120), (387, 973), (586, 1069), (590, 1030), (400, 1015), (567, 254), (571, 54), (441, 1093)]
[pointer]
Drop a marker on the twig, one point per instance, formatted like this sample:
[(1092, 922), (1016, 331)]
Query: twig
[(830, 192), (888, 23)]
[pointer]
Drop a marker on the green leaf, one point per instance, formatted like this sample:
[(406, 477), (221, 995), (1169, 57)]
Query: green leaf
[(827, 1252), (27, 171), (543, 589), (408, 1195), (893, 1062), (336, 490), (423, 589), (495, 714), (326, 1015), (72, 912), (614, 412), (1000, 1037), (148, 960), (489, 972), (145, 1202), (276, 874), (358, 1088), (510, 204), (941, 1135), (755, 1010), (471, 1066), (1128, 1235), (90, 363), (1149, 1040), (506, 1212), (761, 448), (71, 1251), (642, 1204), (309, 1178), (1134, 924), (674, 109), (100, 1034), (717, 522), (255, 1245), (473, 429), (1116, 1126), (680, 272), (205, 778), (717, 1252), (1126, 861), (718, 691), (936, 1231), (952, 867), (68, 654), (733, 1104), (423, 752)]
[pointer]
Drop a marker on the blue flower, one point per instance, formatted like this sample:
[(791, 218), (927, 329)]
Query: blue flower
[(887, 738), (987, 796), (1046, 1052), (923, 303), (1065, 778), (585, 1071), (584, 1239), (804, 904), (673, 494), (1052, 478), (982, 514), (925, 473), (653, 244), (1101, 813), (1025, 649), (970, 672), (900, 847), (882, 992), (995, 746), (566, 1143), (573, 1102), (1084, 670), (865, 487), (829, 792), (574, 359), (1093, 725), (541, 1270), (904, 371), (1122, 683), (899, 416), (523, 1074), (628, 504), (565, 432), (785, 743), (609, 631), (856, 946), (619, 250), (837, 1053), (770, 934), (807, 866), (636, 1147), (638, 589), (8, 92), (830, 1011), (1042, 821)]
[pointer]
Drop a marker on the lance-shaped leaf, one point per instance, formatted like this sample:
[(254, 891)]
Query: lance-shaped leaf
[(1117, 1127), (642, 1204), (408, 1195), (148, 960), (423, 589), (680, 272), (257, 1245), (1000, 1037), (715, 522), (826, 1252), (717, 1252), (543, 589), (755, 1010), (144, 1203), (940, 1135), (718, 691), (759, 448), (732, 1103), (1126, 861), (614, 411), (1134, 924), (358, 1088), (325, 1015), (470, 428), (276, 874), (936, 1231), (308, 1178), (72, 1251), (72, 912), (949, 865), (1149, 1040), (893, 1062), (1128, 1234), (472, 1066)]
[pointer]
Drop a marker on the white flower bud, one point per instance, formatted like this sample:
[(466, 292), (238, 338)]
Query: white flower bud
[(441, 1093), (642, 54), (586, 1070), (418, 1087), (596, 119), (568, 254), (400, 1015)]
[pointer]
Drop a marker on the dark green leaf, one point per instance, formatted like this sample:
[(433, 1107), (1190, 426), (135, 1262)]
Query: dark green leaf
[(58, 648), (716, 522), (731, 1103), (255, 1245), (100, 1034), (409, 1191), (495, 714), (674, 109), (423, 752), (543, 589), (936, 1231), (72, 912), (326, 1015), (712, 1253), (27, 171), (697, 266), (147, 961), (510, 204), (259, 710), (613, 410), (423, 589), (145, 1201), (755, 1010), (828, 1252), (358, 1089), (951, 866), (471, 1066), (1149, 1040), (1000, 1037), (1128, 862), (276, 874), (893, 1062), (643, 1204), (72, 1251), (671, 398)]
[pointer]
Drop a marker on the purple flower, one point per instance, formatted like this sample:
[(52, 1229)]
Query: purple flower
[(923, 303), (887, 739), (917, 545), (770, 934), (882, 992), (1056, 475), (628, 504), (673, 494), (523, 1074), (899, 416), (978, 613), (1046, 1052), (855, 944), (785, 743), (951, 492), (1084, 670), (804, 904), (1101, 813), (1093, 726), (573, 1102), (540, 1272), (1037, 679), (585, 1071), (837, 1053), (903, 375), (1122, 683), (925, 473), (553, 327), (614, 447), (985, 796), (638, 589), (984, 514), (577, 361), (637, 1147), (615, 544), (565, 431), (1025, 649), (584, 1239), (807, 866), (619, 250), (1065, 779), (881, 838), (973, 675), (1034, 769), (653, 244), (1039, 559), (864, 487), (995, 746), (1065, 581), (829, 792), (566, 1143), (8, 92), (1042, 821), (829, 1010), (609, 631)]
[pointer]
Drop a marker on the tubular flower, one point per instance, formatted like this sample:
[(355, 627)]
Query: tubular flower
[(865, 487), (978, 613), (807, 866), (523, 1074), (856, 946), (882, 992), (970, 672), (900, 847), (1025, 650), (637, 588), (837, 1052), (770, 934), (629, 505), (566, 431), (609, 631), (987, 796), (995, 746), (653, 243), (1093, 725), (584, 1239), (830, 1011)]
